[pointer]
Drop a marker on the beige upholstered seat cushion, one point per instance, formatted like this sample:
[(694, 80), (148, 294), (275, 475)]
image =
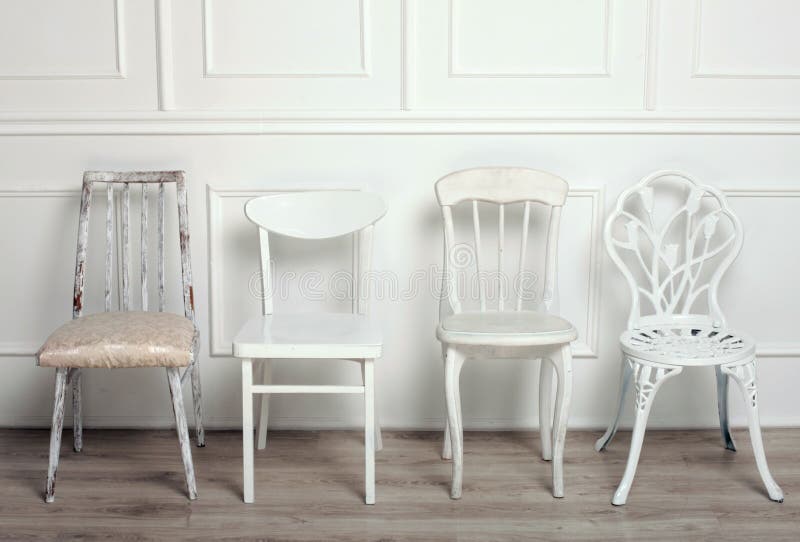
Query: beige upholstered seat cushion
[(120, 339)]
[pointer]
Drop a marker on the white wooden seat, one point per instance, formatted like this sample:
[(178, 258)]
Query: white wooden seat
[(501, 332), (348, 336), (309, 335), (673, 239), (125, 338), (523, 328)]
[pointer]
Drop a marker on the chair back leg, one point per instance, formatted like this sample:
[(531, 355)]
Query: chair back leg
[(369, 431), (197, 400), (624, 383), (546, 408), (77, 410), (722, 407), (174, 379), (55, 433), (263, 417)]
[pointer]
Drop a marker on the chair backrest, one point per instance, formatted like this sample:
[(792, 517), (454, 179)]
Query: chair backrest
[(144, 180), (503, 187), (319, 215), (673, 238)]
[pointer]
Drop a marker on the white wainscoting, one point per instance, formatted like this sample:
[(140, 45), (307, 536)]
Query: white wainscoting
[(257, 96)]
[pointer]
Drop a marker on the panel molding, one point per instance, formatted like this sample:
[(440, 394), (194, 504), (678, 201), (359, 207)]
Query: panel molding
[(452, 30), (21, 348), (118, 73), (697, 43), (364, 45)]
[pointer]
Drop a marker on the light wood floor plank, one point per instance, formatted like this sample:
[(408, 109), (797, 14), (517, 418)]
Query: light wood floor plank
[(129, 485)]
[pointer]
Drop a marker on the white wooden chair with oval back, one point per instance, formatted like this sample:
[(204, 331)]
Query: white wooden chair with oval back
[(347, 336), (127, 338), (673, 239), (505, 332)]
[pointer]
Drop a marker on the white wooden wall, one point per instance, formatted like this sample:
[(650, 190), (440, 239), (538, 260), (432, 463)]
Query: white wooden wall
[(257, 96)]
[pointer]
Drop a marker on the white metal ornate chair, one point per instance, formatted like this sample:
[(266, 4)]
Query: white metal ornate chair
[(673, 239), (126, 338), (505, 332), (348, 336)]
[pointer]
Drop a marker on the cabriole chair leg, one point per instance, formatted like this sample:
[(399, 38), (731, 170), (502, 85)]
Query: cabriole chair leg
[(722, 407), (745, 377), (624, 383), (546, 408), (453, 365), (563, 368)]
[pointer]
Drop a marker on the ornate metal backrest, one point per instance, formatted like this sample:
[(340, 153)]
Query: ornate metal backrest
[(144, 179), (319, 215), (673, 239), (503, 187)]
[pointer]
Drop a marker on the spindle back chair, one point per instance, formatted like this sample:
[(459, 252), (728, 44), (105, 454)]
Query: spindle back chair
[(143, 180), (504, 331)]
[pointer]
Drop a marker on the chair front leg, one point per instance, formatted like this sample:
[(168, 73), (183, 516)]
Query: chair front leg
[(77, 410), (378, 435), (453, 364), (368, 369), (722, 407), (546, 408), (624, 383), (197, 401), (247, 429), (55, 433), (174, 379), (265, 367), (562, 362), (647, 380), (745, 377)]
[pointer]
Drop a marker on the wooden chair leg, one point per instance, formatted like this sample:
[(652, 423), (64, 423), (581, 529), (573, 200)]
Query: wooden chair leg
[(55, 433), (745, 377), (624, 383), (247, 429), (77, 410), (563, 368), (197, 401), (369, 431), (546, 408), (263, 417), (378, 436), (174, 379), (722, 407), (453, 364)]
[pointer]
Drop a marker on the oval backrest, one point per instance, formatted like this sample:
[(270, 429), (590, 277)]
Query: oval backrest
[(502, 185), (316, 215)]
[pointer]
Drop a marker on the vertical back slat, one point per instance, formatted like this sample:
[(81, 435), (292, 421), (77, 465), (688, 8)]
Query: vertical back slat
[(450, 274), (80, 257), (109, 241), (501, 240), (364, 266), (476, 228), (356, 273), (186, 266), (162, 299), (266, 272), (526, 217), (126, 247), (550, 293), (143, 241)]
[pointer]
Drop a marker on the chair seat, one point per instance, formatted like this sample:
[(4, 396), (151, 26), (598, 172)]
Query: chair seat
[(120, 340), (511, 328), (309, 335), (688, 345)]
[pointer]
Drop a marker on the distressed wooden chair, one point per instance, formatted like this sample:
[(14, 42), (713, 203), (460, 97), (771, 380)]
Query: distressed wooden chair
[(126, 338), (673, 239), (507, 332), (348, 336)]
